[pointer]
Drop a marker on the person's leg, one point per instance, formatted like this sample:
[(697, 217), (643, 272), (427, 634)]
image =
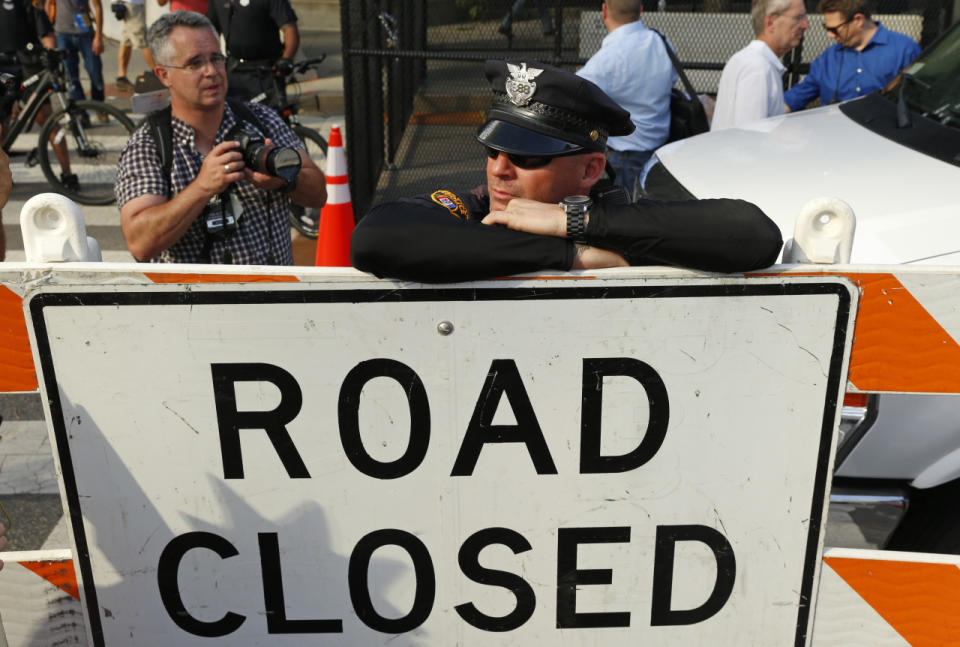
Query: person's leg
[(71, 63), (59, 146), (123, 60), (93, 65), (148, 57), (506, 26)]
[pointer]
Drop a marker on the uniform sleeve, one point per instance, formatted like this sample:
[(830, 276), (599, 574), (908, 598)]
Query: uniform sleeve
[(417, 240), (213, 13), (709, 235), (282, 13), (41, 22), (807, 90)]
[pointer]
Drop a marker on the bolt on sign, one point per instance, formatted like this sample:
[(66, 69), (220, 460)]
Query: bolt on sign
[(593, 461)]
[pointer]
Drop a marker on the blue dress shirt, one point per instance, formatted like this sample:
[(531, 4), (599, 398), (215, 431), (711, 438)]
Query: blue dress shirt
[(633, 68), (842, 73)]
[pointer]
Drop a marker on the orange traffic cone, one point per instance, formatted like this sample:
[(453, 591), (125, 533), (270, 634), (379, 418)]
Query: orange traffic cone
[(336, 216)]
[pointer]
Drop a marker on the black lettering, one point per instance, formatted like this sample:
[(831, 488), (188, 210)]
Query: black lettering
[(469, 559), (594, 370), (503, 377), (230, 421), (667, 536), (357, 578), (569, 577), (349, 414), (277, 622), (169, 566)]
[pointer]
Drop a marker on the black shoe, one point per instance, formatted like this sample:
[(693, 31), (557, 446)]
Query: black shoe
[(506, 29), (124, 85), (70, 181)]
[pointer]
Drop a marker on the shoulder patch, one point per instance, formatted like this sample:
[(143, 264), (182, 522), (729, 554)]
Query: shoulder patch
[(451, 202)]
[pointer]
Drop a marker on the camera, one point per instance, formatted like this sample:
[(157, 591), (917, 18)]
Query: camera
[(279, 161), (119, 10), (8, 85)]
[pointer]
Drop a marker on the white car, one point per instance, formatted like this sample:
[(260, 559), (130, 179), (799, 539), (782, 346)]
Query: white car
[(898, 167)]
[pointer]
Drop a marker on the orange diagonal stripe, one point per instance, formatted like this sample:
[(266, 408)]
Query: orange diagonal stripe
[(60, 574), (920, 601), (898, 345), (16, 362)]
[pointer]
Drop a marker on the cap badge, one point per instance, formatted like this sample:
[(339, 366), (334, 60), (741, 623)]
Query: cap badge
[(520, 85)]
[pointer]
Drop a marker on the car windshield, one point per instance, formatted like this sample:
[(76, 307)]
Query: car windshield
[(934, 89)]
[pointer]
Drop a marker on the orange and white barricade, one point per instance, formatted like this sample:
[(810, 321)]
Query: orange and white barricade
[(313, 451)]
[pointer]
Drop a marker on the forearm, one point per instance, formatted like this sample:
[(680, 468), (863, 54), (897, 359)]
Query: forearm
[(311, 189), (97, 15), (291, 40), (413, 242), (156, 228), (710, 235)]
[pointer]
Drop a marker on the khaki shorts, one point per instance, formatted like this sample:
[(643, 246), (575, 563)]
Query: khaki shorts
[(135, 26)]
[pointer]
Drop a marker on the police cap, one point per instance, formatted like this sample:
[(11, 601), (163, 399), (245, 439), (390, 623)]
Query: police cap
[(543, 110)]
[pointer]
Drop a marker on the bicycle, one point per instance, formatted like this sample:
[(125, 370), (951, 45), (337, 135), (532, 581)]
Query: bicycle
[(86, 154), (306, 220)]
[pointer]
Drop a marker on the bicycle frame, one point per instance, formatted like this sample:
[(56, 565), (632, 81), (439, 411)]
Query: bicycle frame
[(48, 88)]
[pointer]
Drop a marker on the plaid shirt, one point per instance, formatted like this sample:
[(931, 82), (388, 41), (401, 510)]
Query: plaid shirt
[(262, 236)]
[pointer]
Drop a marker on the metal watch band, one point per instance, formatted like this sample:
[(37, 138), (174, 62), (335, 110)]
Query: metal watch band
[(576, 207), (576, 225)]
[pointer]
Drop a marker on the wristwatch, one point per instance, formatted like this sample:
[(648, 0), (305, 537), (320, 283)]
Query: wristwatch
[(577, 207)]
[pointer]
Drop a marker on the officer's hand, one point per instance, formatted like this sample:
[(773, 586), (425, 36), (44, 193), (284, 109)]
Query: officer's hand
[(532, 217), (222, 166), (592, 258), (260, 180)]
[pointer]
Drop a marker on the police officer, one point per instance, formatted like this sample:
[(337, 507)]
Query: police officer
[(24, 31), (545, 137), (251, 29)]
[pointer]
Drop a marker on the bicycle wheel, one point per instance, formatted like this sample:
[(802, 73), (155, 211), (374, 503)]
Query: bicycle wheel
[(306, 220), (90, 151)]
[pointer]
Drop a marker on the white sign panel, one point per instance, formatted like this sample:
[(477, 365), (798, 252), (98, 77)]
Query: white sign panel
[(585, 462)]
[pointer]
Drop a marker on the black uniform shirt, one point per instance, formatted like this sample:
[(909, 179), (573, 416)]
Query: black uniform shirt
[(21, 24), (252, 27), (439, 238)]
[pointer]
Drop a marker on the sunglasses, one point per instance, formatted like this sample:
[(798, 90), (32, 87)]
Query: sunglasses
[(834, 30), (528, 161)]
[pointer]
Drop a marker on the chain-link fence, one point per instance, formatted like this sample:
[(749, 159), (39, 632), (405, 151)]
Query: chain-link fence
[(413, 71)]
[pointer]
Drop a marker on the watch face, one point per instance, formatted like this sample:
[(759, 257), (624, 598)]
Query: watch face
[(577, 200)]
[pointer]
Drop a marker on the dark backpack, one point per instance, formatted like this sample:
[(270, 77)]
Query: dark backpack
[(161, 129)]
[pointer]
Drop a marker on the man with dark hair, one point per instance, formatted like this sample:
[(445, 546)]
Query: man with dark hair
[(251, 30), (207, 206), (633, 68), (545, 206), (751, 84), (866, 56)]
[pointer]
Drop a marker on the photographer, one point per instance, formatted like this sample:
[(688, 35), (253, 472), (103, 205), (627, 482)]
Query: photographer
[(211, 207), (544, 136)]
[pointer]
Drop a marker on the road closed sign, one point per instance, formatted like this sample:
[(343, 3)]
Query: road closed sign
[(579, 462)]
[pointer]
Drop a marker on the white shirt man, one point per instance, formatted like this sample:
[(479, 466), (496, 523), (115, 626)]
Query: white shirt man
[(751, 85)]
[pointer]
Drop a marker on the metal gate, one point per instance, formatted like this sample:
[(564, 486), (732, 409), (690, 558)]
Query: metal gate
[(415, 91)]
